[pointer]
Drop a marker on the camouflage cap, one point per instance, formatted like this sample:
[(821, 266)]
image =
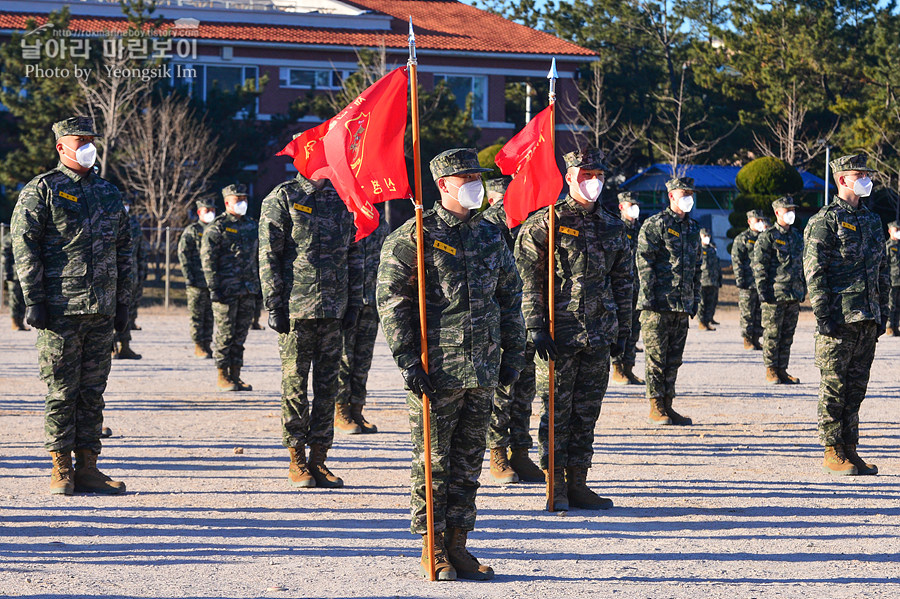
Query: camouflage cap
[(209, 203), (685, 183), (76, 125), (458, 161), (784, 202), (498, 184), (894, 224), (591, 158), (757, 214), (853, 162), (704, 232), (235, 189), (628, 196)]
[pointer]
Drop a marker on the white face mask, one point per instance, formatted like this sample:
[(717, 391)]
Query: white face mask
[(705, 240), (862, 187), (896, 235), (86, 155), (470, 195), (208, 217), (634, 211), (686, 203), (759, 226), (241, 208), (789, 217), (127, 208), (590, 189)]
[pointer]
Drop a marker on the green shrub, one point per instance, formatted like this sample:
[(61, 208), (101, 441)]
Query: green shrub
[(486, 159), (769, 176)]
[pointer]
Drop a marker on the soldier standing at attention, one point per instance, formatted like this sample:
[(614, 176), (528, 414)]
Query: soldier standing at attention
[(710, 282), (312, 280), (778, 273), (359, 341), (228, 252), (848, 283), (668, 264), (72, 246), (476, 340), (14, 298), (121, 345), (623, 364), (893, 255), (593, 319), (198, 302), (748, 299)]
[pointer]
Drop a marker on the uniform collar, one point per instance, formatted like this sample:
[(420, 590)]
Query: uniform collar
[(576, 207), (781, 229), (307, 186), (74, 176), (672, 214), (843, 204), (450, 218)]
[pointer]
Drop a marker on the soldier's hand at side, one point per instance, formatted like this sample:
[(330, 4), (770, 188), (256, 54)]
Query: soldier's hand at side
[(617, 349), (882, 328), (36, 316), (827, 327), (418, 381), (508, 376), (120, 322), (544, 345), (351, 317), (279, 321)]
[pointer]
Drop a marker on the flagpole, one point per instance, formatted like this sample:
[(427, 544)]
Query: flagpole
[(420, 276), (551, 300)]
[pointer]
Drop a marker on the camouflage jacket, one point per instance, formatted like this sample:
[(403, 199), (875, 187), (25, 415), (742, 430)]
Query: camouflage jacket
[(369, 249), (9, 262), (309, 263), (473, 300), (72, 243), (845, 265), (778, 265), (189, 254), (593, 279), (710, 267), (668, 263), (140, 251), (632, 230), (228, 253), (496, 215), (742, 258), (893, 256)]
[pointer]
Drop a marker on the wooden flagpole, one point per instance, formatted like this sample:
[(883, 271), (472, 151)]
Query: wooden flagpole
[(551, 301), (420, 276)]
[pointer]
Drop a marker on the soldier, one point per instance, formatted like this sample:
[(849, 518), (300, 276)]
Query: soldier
[(476, 339), (228, 252), (14, 298), (359, 341), (72, 247), (121, 345), (848, 283), (623, 365), (778, 273), (509, 438), (893, 255), (593, 319), (312, 280), (198, 302), (710, 282), (748, 300), (668, 265)]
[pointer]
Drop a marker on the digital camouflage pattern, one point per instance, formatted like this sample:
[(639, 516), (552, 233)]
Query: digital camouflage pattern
[(892, 249), (235, 189), (510, 424), (777, 264), (665, 334), (200, 308), (308, 262), (458, 161), (498, 184), (742, 263), (632, 230), (685, 183), (228, 251), (710, 281), (496, 215), (851, 162), (709, 301), (14, 298), (668, 264), (232, 322), (76, 125), (779, 322), (140, 257), (198, 302), (589, 158)]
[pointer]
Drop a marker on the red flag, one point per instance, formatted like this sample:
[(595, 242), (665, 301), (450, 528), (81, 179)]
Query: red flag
[(307, 152), (364, 149), (530, 158)]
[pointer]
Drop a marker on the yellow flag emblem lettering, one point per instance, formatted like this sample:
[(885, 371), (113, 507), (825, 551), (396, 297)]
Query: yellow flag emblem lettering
[(848, 226), (303, 208), (68, 196), (568, 231), (444, 247), (674, 232)]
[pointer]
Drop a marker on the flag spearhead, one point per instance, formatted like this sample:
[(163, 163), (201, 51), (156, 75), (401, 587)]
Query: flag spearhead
[(553, 75), (412, 42)]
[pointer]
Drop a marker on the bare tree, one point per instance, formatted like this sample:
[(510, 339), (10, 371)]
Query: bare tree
[(372, 67)]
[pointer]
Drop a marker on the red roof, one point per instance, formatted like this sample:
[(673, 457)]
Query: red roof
[(439, 25)]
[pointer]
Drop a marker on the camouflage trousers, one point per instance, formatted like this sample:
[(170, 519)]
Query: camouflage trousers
[(74, 361), (316, 342), (200, 309), (628, 357), (779, 322), (511, 411), (137, 293), (356, 357), (709, 299), (581, 380), (258, 308), (15, 300), (751, 316), (894, 307), (845, 362), (459, 422), (665, 334), (232, 319)]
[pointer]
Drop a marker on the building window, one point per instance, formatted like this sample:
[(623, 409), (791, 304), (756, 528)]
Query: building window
[(462, 86), (200, 79), (310, 78)]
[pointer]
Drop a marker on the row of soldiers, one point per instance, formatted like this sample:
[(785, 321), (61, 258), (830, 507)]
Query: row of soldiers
[(487, 307)]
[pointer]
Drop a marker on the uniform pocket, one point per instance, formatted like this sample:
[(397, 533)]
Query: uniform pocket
[(51, 349)]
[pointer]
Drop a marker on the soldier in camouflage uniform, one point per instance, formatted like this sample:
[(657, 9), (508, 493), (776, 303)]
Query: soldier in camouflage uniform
[(509, 438), (476, 340), (594, 277), (623, 365), (139, 260), (892, 247), (778, 273), (312, 278), (846, 271), (228, 252), (748, 300), (14, 298), (668, 265), (710, 282), (359, 341), (72, 247), (199, 304)]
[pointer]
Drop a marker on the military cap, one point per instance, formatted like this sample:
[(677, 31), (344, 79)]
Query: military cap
[(894, 224), (784, 202), (76, 125), (498, 184), (704, 232), (590, 158), (207, 202), (235, 189), (458, 161), (628, 196), (853, 162), (685, 183), (757, 214)]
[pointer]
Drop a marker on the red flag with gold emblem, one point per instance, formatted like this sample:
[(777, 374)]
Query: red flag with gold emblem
[(530, 159), (307, 152)]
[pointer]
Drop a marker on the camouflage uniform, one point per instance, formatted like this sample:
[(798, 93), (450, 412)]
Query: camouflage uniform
[(848, 283), (14, 298), (311, 269), (199, 304), (474, 320), (710, 281), (140, 266), (748, 299), (668, 266), (892, 248), (780, 283), (632, 230), (73, 253), (229, 253)]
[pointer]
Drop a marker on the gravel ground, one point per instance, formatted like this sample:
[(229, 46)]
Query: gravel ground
[(735, 506)]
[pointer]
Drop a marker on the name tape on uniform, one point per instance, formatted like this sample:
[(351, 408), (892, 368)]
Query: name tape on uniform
[(68, 196), (444, 247), (780, 242), (568, 231), (848, 226), (674, 232), (303, 208), (753, 241), (230, 230)]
